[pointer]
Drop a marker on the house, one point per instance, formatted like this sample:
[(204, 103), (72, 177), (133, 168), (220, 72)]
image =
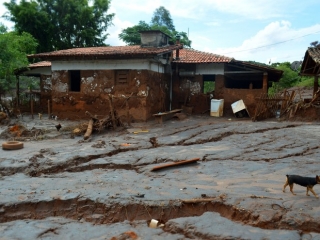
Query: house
[(134, 78), (150, 78), (311, 66), (234, 80)]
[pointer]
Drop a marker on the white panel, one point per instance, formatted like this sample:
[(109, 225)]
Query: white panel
[(210, 68), (105, 65), (155, 67)]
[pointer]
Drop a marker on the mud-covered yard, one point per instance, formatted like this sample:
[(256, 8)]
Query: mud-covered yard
[(62, 187)]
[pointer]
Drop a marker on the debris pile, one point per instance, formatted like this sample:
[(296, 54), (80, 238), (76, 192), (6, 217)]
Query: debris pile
[(20, 133), (95, 124), (284, 105)]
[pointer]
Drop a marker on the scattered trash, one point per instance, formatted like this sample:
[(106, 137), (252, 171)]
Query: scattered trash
[(175, 164), (239, 109), (216, 107), (125, 144), (153, 223), (12, 145), (139, 195), (77, 131)]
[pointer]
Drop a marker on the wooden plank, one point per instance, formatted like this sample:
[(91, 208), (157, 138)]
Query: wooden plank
[(160, 117), (175, 164)]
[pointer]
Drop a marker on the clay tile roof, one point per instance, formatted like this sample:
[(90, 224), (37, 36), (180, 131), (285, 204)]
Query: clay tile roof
[(40, 64), (107, 52), (193, 56)]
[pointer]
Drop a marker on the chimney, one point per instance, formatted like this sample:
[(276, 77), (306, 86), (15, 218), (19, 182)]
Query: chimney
[(177, 42), (154, 38)]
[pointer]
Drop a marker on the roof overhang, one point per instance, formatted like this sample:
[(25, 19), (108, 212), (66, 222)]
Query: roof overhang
[(250, 68), (311, 62)]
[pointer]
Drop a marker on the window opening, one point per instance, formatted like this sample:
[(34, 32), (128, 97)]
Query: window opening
[(209, 83)]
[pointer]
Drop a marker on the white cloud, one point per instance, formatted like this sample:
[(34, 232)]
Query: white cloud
[(277, 41)]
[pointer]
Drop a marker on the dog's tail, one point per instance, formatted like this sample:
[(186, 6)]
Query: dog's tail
[(287, 176)]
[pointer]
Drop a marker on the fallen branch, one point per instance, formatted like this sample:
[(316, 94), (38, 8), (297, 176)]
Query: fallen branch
[(89, 130), (175, 164)]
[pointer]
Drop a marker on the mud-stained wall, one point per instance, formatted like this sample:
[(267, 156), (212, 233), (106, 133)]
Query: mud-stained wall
[(147, 91), (231, 95), (188, 91)]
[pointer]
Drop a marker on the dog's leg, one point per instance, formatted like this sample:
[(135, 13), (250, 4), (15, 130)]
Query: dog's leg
[(291, 188), (308, 191), (285, 185), (311, 190)]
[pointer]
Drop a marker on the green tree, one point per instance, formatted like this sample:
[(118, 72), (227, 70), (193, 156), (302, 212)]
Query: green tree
[(162, 17), (131, 35), (315, 44), (289, 77), (62, 24), (13, 55), (164, 23)]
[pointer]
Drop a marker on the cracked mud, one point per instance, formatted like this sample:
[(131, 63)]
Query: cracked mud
[(66, 188)]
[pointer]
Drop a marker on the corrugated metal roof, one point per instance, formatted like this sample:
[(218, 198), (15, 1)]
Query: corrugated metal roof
[(107, 52), (187, 55)]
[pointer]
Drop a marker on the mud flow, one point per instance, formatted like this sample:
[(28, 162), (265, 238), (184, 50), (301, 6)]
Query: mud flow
[(60, 186)]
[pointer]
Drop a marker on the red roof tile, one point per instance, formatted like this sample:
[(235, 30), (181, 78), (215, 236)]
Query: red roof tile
[(40, 64), (187, 55), (107, 52)]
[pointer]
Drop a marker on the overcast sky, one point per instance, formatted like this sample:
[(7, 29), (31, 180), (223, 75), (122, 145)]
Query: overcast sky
[(256, 30)]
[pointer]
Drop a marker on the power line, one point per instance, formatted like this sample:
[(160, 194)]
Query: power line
[(272, 43)]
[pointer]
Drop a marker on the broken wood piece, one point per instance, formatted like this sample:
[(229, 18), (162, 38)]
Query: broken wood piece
[(89, 130), (141, 131), (175, 164)]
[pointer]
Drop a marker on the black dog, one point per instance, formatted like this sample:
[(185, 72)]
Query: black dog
[(307, 182)]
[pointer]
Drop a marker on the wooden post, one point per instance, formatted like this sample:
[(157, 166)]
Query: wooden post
[(315, 85), (18, 91), (112, 112), (128, 110), (49, 109), (31, 103), (265, 82)]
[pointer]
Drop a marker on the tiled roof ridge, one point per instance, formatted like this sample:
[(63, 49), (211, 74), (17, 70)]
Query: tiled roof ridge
[(190, 55), (108, 51)]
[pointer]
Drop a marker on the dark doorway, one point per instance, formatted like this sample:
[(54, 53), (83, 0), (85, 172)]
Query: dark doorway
[(75, 81)]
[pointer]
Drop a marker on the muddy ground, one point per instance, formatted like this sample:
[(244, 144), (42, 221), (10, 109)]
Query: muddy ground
[(62, 187)]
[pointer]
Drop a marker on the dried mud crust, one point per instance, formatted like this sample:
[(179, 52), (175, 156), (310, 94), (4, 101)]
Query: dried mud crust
[(109, 180), (12, 145)]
